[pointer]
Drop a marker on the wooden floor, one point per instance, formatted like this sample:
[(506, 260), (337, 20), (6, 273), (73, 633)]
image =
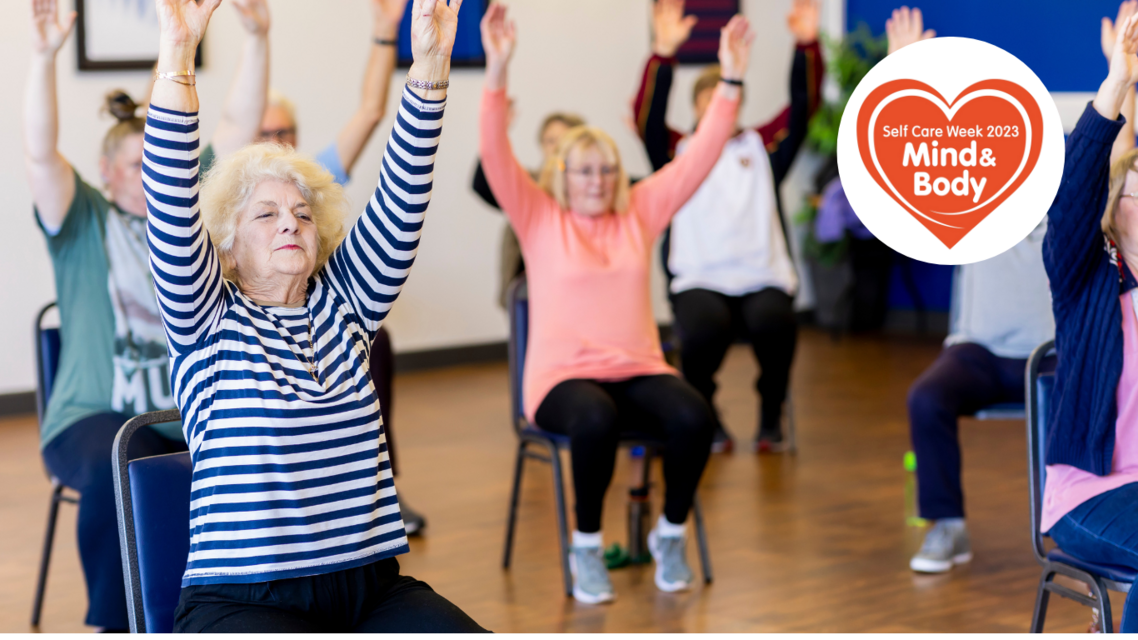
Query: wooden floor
[(816, 542)]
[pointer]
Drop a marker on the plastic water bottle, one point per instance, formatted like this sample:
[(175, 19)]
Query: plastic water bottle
[(912, 518)]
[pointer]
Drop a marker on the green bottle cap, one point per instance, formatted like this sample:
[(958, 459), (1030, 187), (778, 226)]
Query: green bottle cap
[(910, 461)]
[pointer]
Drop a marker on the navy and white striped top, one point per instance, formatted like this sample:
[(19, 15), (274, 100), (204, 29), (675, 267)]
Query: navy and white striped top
[(291, 477)]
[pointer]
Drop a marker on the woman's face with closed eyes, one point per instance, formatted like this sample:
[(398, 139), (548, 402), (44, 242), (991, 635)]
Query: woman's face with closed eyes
[(276, 235)]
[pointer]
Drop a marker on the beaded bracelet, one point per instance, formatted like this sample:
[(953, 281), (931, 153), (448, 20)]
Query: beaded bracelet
[(428, 86)]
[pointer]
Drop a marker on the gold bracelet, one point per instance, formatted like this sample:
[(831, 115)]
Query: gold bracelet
[(174, 77)]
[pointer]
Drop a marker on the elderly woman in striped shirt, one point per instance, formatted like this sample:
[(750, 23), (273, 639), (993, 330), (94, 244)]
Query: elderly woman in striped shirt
[(270, 311)]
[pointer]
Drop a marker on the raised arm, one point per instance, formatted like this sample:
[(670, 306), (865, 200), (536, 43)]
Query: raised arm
[(386, 17), (785, 134), (240, 121), (658, 197), (670, 30), (1074, 241), (51, 177), (187, 273), (1125, 140), (513, 188), (370, 267)]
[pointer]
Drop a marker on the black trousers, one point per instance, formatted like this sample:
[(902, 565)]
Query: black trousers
[(708, 322), (373, 598), (595, 414), (81, 458), (964, 379)]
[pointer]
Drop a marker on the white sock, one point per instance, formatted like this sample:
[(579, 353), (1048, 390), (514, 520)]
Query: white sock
[(666, 529), (587, 539)]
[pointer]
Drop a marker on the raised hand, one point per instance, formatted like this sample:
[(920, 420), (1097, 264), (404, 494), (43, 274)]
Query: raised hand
[(1123, 61), (1110, 29), (182, 23), (388, 15), (433, 27), (48, 33), (803, 20), (905, 28), (254, 16), (499, 36), (670, 27), (735, 42)]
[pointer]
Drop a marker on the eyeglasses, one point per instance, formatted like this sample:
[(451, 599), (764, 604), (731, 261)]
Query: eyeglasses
[(277, 134), (605, 171)]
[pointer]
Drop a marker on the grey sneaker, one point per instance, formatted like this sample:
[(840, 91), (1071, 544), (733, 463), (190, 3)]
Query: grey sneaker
[(946, 544), (672, 570), (591, 583)]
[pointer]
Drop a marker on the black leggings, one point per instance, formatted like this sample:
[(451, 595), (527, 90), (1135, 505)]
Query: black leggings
[(708, 322), (373, 598), (595, 414)]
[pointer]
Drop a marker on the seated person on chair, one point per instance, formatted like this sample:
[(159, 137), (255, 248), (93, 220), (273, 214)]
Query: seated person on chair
[(594, 367), (511, 264), (270, 310), (1001, 312), (114, 363), (727, 250), (1090, 498), (279, 124)]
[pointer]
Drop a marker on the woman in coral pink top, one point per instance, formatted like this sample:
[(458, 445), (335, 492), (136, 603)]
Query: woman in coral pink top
[(594, 367)]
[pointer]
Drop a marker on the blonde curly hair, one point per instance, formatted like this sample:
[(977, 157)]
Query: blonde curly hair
[(230, 183)]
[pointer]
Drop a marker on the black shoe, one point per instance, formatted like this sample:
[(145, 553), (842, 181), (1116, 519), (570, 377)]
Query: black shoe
[(769, 441), (413, 521), (722, 442)]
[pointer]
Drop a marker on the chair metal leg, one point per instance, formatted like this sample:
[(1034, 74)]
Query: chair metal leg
[(1103, 596), (791, 426), (639, 510), (701, 540), (1042, 597), (512, 518), (45, 557), (562, 525)]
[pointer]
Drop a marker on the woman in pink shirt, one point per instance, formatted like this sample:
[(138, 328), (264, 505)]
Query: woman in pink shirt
[(594, 367)]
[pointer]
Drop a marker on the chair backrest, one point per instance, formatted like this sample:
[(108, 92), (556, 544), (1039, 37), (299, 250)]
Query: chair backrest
[(153, 499), (47, 346), (517, 305), (1040, 382)]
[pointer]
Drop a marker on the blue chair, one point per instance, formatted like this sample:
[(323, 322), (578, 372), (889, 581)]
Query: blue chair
[(153, 499), (529, 435), (1099, 578), (47, 345)]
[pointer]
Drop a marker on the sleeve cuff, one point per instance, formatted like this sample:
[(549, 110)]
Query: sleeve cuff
[(1092, 125), (808, 46), (422, 104), (171, 116), (662, 59)]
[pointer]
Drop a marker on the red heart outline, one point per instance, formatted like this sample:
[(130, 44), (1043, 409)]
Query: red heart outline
[(938, 222)]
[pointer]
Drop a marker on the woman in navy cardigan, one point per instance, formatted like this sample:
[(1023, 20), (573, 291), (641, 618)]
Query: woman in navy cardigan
[(1090, 505)]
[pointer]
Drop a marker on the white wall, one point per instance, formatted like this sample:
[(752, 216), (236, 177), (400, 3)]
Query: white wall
[(579, 55)]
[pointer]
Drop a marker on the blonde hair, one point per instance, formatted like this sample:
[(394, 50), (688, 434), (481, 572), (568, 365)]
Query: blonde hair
[(1118, 170), (119, 105), (229, 185), (583, 137), (570, 120), (708, 79), (278, 99)]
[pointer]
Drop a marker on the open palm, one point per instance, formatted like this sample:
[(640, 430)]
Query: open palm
[(434, 24), (48, 33), (183, 22), (499, 35), (254, 15), (389, 11), (1124, 61), (803, 20), (735, 48), (671, 28)]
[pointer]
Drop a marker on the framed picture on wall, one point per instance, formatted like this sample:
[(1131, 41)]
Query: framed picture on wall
[(703, 46), (467, 41), (116, 35)]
